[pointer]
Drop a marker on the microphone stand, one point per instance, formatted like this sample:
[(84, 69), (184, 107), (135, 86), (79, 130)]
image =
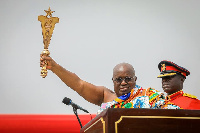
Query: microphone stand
[(75, 112)]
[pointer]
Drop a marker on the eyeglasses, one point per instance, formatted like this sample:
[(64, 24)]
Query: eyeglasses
[(126, 79)]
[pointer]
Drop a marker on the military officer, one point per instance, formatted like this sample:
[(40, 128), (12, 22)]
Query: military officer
[(173, 77)]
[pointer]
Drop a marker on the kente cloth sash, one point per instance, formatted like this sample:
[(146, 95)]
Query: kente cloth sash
[(137, 98)]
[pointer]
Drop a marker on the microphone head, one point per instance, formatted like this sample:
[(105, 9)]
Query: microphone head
[(67, 101)]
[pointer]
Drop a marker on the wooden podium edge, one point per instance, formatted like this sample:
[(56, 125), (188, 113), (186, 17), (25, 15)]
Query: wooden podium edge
[(103, 122), (96, 119), (154, 117)]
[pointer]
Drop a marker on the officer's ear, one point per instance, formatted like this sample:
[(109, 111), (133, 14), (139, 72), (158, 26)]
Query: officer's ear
[(182, 78)]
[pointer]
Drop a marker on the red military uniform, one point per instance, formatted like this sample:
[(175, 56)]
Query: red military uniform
[(183, 100), (176, 98)]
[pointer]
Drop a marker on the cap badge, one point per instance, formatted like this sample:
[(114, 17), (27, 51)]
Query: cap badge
[(163, 67)]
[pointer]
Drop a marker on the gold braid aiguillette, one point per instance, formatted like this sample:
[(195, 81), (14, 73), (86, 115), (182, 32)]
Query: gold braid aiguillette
[(47, 23)]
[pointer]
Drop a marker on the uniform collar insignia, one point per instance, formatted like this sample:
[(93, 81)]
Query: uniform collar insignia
[(175, 95)]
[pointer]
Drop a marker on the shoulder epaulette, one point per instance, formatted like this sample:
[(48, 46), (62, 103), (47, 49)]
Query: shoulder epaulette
[(189, 95)]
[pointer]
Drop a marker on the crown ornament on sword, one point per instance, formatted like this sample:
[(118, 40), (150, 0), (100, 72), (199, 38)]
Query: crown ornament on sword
[(47, 23)]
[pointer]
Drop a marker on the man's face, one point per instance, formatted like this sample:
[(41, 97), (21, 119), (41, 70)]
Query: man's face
[(124, 80), (172, 84)]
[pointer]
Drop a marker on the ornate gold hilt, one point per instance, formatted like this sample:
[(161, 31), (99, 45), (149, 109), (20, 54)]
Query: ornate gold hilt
[(45, 52), (47, 23)]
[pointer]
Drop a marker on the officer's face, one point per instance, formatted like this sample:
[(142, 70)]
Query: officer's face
[(124, 80), (172, 84)]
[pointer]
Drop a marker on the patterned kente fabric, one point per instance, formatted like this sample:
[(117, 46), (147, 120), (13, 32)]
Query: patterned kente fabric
[(137, 98)]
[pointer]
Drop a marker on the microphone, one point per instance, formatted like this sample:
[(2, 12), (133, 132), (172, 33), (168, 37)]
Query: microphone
[(68, 101)]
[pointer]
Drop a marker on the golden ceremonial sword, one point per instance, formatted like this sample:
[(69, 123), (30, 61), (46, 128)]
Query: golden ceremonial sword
[(47, 23)]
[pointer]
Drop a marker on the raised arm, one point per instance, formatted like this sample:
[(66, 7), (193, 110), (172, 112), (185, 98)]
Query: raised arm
[(90, 92)]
